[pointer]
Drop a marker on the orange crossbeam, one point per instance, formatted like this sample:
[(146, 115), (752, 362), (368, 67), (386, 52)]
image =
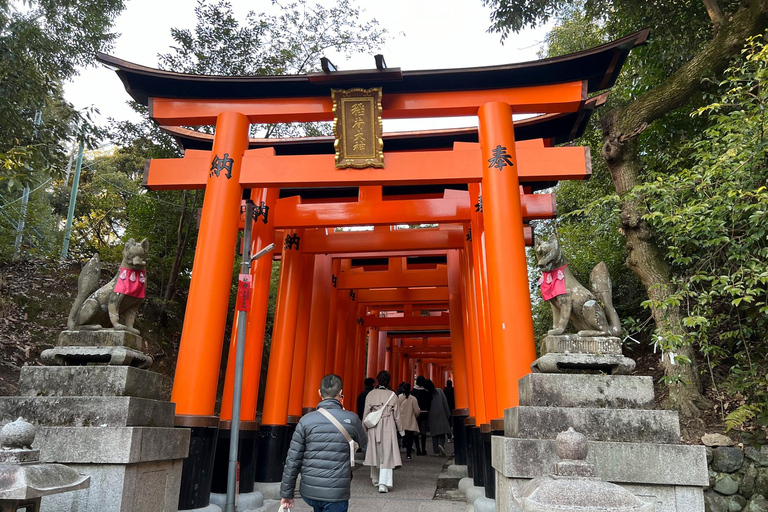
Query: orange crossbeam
[(393, 279), (291, 213), (386, 323), (463, 164), (402, 295), (539, 99), (317, 241)]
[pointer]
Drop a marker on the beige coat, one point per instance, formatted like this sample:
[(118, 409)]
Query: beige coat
[(383, 451), (409, 411)]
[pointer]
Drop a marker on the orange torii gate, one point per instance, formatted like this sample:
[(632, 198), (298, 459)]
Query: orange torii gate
[(486, 278)]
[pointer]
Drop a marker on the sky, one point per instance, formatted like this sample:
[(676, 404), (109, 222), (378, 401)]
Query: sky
[(426, 34)]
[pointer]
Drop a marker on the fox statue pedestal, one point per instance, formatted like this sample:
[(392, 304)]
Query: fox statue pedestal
[(108, 346), (573, 352)]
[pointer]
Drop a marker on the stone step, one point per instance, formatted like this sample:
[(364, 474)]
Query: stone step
[(94, 381), (583, 390), (111, 445), (88, 411), (624, 463), (614, 425)]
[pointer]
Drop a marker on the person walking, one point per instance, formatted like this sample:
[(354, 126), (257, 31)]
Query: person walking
[(439, 418), (383, 453), (409, 411), (368, 384), (448, 390), (321, 453), (424, 398)]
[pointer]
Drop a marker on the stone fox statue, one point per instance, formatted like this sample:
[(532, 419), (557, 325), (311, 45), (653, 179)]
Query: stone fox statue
[(570, 300), (116, 303)]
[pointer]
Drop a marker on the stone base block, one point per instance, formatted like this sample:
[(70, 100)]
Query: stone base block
[(89, 411), (466, 483), (557, 363), (483, 504), (473, 493), (447, 482), (143, 487), (111, 445), (457, 470), (114, 356), (246, 502), (269, 490), (94, 381), (615, 425), (209, 508), (575, 344), (583, 390), (619, 463), (667, 498), (101, 338)]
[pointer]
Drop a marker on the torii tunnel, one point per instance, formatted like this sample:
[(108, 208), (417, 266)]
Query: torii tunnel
[(446, 301)]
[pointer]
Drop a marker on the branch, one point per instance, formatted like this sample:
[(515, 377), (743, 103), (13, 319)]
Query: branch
[(715, 13), (676, 90)]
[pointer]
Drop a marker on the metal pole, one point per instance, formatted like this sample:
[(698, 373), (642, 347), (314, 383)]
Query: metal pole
[(20, 224), (73, 199), (234, 441)]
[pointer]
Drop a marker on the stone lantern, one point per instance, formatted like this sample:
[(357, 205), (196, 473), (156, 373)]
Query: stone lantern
[(24, 480), (574, 486)]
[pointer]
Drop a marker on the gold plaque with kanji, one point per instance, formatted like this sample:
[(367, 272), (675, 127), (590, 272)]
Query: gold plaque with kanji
[(357, 128)]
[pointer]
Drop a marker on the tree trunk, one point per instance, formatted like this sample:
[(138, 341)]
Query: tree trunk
[(620, 129)]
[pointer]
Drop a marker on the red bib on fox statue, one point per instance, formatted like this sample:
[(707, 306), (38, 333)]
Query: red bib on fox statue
[(131, 282), (552, 283)]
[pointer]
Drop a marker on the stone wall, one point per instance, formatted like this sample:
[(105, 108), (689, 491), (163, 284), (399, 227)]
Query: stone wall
[(738, 479)]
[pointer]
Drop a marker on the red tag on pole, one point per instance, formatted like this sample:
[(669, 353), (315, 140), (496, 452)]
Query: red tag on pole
[(244, 287)]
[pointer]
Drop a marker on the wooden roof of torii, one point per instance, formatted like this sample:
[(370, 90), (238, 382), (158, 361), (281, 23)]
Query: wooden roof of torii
[(598, 66)]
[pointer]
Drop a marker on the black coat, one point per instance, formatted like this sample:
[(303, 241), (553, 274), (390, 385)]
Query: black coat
[(361, 401), (424, 398), (321, 453)]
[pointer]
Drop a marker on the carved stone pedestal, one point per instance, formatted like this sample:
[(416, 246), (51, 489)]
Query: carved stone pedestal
[(106, 346), (630, 444), (112, 423)]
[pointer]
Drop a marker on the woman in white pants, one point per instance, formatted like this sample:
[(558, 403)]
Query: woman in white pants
[(383, 453)]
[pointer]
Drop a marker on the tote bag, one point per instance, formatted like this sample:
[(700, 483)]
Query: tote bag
[(373, 417)]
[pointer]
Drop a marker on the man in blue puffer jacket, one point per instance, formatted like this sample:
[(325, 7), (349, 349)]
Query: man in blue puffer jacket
[(321, 453)]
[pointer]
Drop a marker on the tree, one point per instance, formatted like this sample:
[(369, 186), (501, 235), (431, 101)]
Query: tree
[(42, 42), (289, 42), (711, 209), (691, 41)]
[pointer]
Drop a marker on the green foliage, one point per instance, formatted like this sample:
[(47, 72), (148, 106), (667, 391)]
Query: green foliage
[(289, 40), (709, 207), (41, 44)]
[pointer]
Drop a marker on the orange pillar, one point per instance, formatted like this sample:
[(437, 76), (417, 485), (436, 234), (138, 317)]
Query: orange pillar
[(477, 363), (381, 352), (508, 289), (362, 334), (298, 372), (281, 352), (457, 330), (388, 356), (468, 334), (342, 328), (330, 354), (348, 370), (419, 367), (481, 297), (373, 353), (197, 366), (263, 235), (318, 329)]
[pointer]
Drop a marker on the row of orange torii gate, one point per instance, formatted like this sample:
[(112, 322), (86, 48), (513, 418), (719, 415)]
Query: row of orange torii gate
[(448, 300)]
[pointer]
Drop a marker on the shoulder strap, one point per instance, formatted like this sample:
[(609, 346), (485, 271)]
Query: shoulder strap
[(336, 423)]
